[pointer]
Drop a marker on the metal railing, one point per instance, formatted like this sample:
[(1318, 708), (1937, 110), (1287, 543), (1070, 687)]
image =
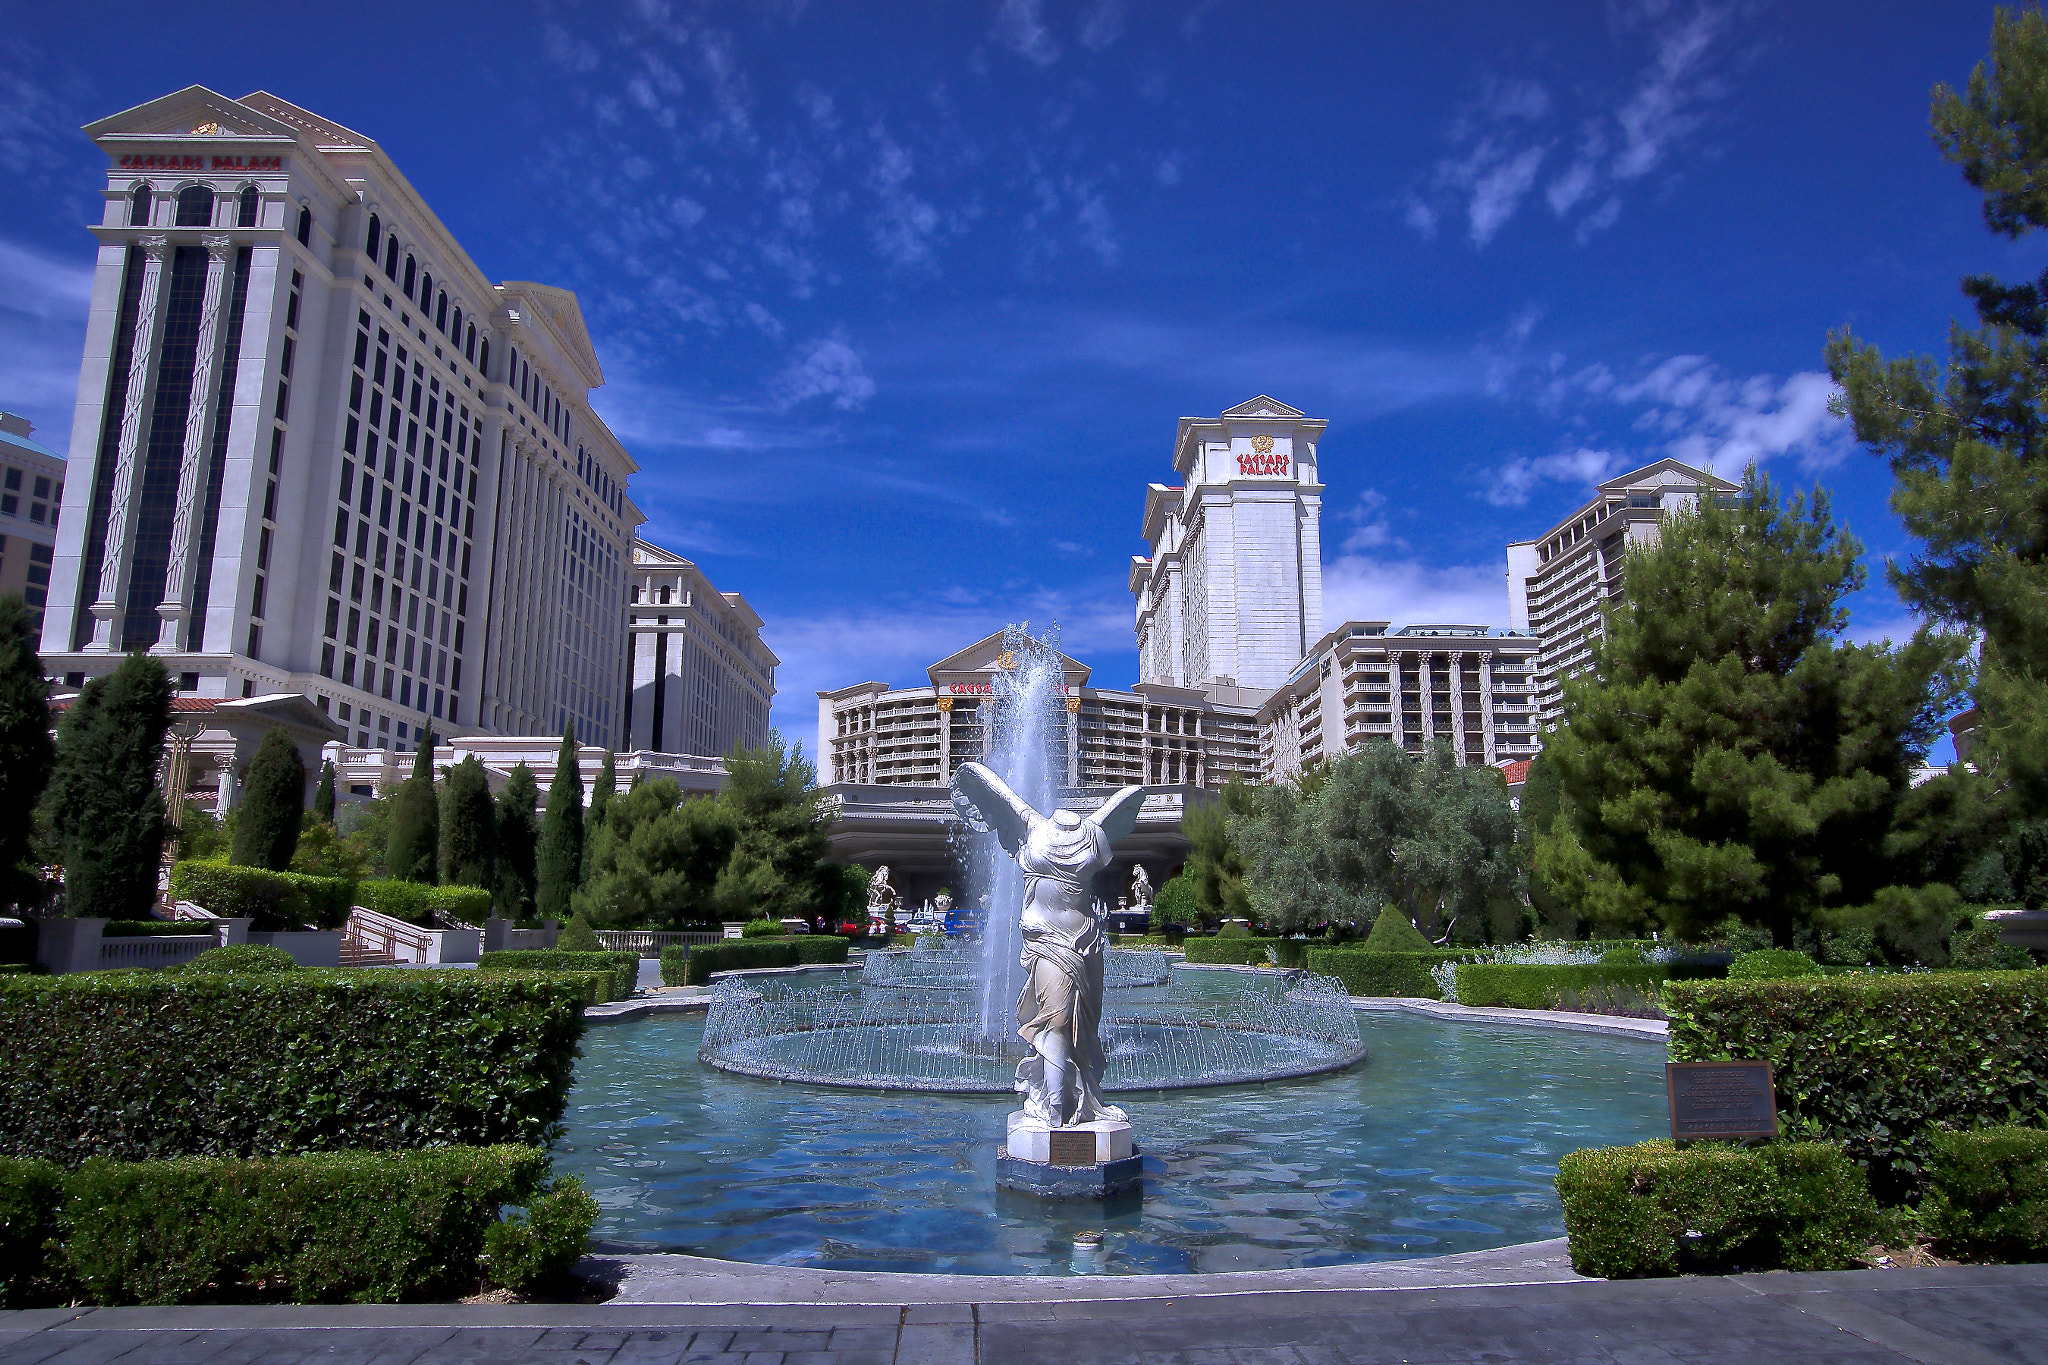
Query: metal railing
[(370, 932), (649, 942)]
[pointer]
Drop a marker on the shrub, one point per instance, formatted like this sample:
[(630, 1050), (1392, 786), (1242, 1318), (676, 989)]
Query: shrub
[(1246, 951), (1232, 929), (273, 804), (742, 954), (1772, 964), (763, 928), (156, 1064), (675, 965), (270, 900), (343, 1226), (578, 936), (155, 928), (1619, 957), (542, 1244), (31, 1191), (1533, 988), (418, 903), (1878, 1063), (255, 958), (1987, 1193), (1365, 972), (1653, 1209), (1393, 933), (622, 970)]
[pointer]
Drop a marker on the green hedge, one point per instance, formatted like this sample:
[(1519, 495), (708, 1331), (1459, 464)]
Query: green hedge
[(733, 955), (1246, 952), (416, 902), (621, 969), (1987, 1194), (1879, 1063), (366, 1227), (156, 928), (1653, 1209), (675, 964), (241, 957), (1368, 973), (139, 1065), (1533, 988), (273, 900)]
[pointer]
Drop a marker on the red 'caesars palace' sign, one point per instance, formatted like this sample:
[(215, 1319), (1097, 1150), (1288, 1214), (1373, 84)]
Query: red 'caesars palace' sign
[(1273, 462)]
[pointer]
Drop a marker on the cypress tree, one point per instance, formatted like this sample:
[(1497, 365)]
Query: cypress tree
[(601, 793), (469, 827), (415, 846), (323, 795), (273, 805), (559, 864), (517, 835), (103, 801), (26, 753)]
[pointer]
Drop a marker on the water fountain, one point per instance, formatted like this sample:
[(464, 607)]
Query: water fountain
[(946, 1019)]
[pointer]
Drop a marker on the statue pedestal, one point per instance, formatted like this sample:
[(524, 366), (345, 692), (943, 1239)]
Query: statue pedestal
[(1089, 1160)]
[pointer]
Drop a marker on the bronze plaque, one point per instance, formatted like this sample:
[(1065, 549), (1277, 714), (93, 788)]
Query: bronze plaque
[(1721, 1100), (1072, 1147)]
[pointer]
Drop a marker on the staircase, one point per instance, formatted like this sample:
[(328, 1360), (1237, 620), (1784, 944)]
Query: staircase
[(354, 954)]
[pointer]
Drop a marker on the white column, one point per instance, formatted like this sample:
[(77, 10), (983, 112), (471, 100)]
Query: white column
[(1486, 716), (176, 607), (107, 606), (1424, 678), (1458, 704)]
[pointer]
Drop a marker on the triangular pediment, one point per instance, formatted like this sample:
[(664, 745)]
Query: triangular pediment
[(321, 132), (984, 658), (648, 555), (1262, 406), (563, 315), (194, 111)]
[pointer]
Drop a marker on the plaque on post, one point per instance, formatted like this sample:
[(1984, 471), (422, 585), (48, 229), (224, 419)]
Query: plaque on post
[(1716, 1100)]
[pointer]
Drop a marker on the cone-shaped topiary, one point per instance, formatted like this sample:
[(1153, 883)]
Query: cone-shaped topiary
[(323, 794), (601, 792), (517, 837), (273, 805), (559, 863), (1392, 933), (469, 827), (414, 853), (103, 801)]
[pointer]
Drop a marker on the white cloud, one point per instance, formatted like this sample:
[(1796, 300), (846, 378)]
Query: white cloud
[(1169, 169), (1020, 26), (831, 369), (1513, 482), (1498, 192), (1102, 25), (43, 303), (1405, 592)]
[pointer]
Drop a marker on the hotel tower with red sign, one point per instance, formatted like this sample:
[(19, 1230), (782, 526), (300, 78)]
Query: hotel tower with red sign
[(318, 451)]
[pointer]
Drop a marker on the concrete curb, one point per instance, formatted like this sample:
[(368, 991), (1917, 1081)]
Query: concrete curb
[(1553, 1019), (673, 1278)]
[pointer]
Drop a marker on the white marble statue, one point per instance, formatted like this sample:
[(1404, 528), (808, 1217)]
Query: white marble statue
[(1059, 1011), (881, 896), (1141, 889)]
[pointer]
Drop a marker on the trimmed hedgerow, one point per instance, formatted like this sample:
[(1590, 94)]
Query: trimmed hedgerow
[(1772, 964), (1241, 952), (621, 969), (733, 955), (241, 957), (1535, 987), (367, 1227), (1368, 973), (1654, 1209), (31, 1192), (156, 928), (157, 1064), (273, 900), (416, 902), (1987, 1194), (528, 1249), (675, 964), (1880, 1063)]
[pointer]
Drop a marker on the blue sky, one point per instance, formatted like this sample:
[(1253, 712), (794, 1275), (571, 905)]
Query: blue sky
[(898, 304)]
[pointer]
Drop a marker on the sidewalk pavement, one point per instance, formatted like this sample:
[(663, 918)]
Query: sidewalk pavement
[(1947, 1316)]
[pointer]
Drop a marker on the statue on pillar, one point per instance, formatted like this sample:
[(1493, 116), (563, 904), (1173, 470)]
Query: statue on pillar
[(1141, 889), (881, 898)]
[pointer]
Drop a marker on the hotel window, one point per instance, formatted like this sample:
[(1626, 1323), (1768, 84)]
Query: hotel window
[(391, 256), (245, 215), (305, 227), (138, 207), (195, 206), (411, 275), (376, 231)]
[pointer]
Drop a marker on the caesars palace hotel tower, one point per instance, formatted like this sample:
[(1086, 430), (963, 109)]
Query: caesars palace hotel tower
[(316, 450), (1232, 593)]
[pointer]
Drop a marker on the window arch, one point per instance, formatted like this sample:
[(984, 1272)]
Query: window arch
[(391, 256), (376, 232), (426, 291), (441, 313), (455, 333), (469, 349), (305, 226), (483, 356), (195, 206), (411, 274), (245, 209), (138, 205)]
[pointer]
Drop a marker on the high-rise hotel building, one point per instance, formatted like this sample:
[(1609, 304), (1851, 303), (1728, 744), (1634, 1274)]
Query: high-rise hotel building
[(317, 450)]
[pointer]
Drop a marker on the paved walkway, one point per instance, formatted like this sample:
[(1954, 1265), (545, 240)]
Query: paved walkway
[(1933, 1317)]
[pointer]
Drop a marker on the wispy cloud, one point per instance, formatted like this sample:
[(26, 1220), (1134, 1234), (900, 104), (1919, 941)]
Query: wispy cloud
[(829, 369), (1360, 587), (43, 302), (1020, 26)]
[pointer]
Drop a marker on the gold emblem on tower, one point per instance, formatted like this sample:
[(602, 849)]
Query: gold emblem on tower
[(1263, 444), (1073, 703), (1006, 660), (945, 703)]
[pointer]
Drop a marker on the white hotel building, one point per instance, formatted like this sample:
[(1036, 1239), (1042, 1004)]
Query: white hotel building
[(316, 450), (1559, 583), (701, 679)]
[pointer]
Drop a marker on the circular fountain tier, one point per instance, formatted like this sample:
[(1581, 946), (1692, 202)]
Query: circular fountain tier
[(950, 968), (884, 1036)]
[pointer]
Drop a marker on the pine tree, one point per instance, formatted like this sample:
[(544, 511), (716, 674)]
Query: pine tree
[(1969, 448), (559, 862), (517, 837), (469, 827), (323, 794), (1727, 755), (26, 753), (415, 848), (601, 793), (273, 805), (102, 803)]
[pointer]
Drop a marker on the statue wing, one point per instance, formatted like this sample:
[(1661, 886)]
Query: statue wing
[(1119, 815), (985, 801)]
